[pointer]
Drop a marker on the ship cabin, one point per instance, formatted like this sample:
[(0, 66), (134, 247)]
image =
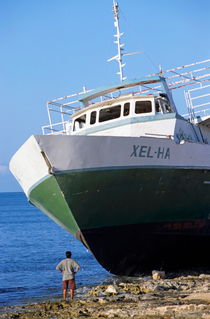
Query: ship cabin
[(123, 116), (143, 107), (150, 115)]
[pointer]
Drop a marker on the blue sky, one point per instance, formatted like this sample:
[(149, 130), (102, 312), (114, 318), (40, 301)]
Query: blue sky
[(52, 48)]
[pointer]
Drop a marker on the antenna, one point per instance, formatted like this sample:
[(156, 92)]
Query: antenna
[(120, 46)]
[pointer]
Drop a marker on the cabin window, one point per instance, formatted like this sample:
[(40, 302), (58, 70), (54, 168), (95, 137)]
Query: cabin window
[(143, 107), (157, 106), (109, 113), (126, 109), (93, 117), (79, 122), (167, 108)]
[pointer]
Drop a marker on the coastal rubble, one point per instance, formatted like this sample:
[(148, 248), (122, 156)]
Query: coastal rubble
[(181, 297)]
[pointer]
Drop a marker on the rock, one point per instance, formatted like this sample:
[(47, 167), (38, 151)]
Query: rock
[(202, 296), (204, 276), (102, 301), (158, 288), (156, 274), (177, 297), (111, 290)]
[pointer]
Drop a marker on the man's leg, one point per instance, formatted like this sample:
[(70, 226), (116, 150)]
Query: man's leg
[(72, 288), (64, 294), (64, 286), (71, 294)]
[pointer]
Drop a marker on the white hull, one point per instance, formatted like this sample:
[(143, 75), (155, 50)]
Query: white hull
[(41, 156)]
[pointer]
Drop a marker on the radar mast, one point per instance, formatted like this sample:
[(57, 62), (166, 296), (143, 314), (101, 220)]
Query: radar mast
[(120, 46)]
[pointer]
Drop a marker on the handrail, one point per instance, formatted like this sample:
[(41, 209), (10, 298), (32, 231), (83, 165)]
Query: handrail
[(60, 110)]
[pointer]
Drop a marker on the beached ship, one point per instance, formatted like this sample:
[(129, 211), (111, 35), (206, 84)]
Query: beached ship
[(125, 173)]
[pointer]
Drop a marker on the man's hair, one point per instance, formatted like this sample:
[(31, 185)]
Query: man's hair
[(68, 254)]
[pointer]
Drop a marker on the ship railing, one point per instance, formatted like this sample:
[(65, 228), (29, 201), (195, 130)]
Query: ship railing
[(195, 75), (193, 81), (60, 110), (198, 114), (198, 103), (186, 75), (61, 128)]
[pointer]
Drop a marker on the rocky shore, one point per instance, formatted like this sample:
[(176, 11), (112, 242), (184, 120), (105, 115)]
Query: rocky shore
[(181, 297)]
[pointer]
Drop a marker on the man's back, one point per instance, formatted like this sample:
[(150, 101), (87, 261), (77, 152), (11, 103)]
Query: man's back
[(67, 266)]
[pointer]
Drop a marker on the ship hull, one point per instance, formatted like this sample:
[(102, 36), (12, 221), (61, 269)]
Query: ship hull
[(134, 250), (144, 210)]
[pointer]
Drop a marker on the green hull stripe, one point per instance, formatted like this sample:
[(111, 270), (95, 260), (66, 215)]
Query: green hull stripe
[(105, 198), (37, 183), (122, 197), (48, 197), (140, 167)]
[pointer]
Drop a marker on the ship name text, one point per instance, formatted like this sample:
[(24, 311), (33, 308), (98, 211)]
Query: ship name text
[(150, 152)]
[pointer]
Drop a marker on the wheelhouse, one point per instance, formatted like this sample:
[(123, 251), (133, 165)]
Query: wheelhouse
[(102, 110), (101, 113)]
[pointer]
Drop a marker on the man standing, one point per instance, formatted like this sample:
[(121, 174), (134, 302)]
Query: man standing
[(68, 267)]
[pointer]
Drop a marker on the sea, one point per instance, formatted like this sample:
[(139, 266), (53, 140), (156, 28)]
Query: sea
[(31, 245)]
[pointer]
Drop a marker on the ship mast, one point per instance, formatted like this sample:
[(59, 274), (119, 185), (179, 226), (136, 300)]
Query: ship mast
[(120, 46)]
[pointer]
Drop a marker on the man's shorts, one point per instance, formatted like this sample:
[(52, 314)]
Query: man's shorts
[(70, 283)]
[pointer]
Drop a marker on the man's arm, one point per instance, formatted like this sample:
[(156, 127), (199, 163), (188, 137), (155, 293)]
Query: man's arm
[(60, 267), (76, 266)]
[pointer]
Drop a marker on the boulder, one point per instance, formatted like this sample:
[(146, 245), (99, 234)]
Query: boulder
[(157, 274), (111, 290)]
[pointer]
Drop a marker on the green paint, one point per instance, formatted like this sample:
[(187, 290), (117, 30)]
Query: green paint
[(139, 195), (100, 198), (48, 197)]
